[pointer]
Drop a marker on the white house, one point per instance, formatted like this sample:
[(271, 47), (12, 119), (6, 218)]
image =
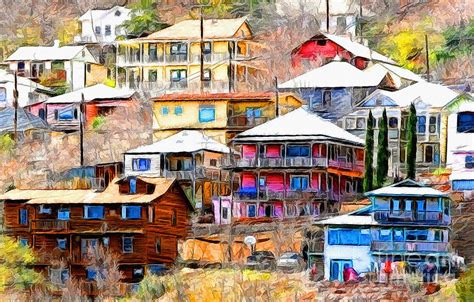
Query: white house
[(103, 25), (28, 91), (53, 64)]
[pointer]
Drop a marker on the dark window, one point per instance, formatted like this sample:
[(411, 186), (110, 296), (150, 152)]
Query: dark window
[(108, 30), (321, 42), (41, 113), (213, 162), (158, 245), (152, 75), (137, 273), (173, 217), (299, 183), (93, 212), (56, 114), (23, 215), (469, 161), (393, 122), (141, 164), (421, 124), (23, 241), (225, 213), (251, 210), (465, 122), (433, 123), (127, 245), (206, 47), (97, 30), (131, 212), (429, 154), (298, 151), (62, 242), (89, 68), (327, 98), (118, 13)]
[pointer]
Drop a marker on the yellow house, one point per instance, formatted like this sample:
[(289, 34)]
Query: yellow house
[(219, 115), (170, 60)]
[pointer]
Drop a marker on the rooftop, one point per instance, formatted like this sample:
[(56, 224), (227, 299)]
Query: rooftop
[(184, 141), (407, 187), (26, 120), (299, 124), (397, 73), (215, 96), (101, 13), (96, 92), (358, 217), (47, 53)]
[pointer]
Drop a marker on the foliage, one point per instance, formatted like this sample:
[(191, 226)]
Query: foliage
[(110, 82), (144, 18), (6, 143), (382, 151), (98, 122), (440, 171), (15, 272), (67, 30), (465, 286), (150, 288), (412, 141), (457, 42), (108, 275), (369, 154)]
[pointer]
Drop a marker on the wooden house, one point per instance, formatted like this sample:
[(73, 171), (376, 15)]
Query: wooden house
[(296, 165), (220, 115), (191, 157), (140, 220)]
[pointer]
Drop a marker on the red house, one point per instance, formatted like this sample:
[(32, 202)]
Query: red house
[(323, 48)]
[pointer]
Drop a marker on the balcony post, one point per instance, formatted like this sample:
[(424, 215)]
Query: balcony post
[(285, 151), (257, 184)]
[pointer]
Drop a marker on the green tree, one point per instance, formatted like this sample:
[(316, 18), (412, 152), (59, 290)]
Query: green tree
[(382, 151), (369, 154), (144, 18), (457, 41), (411, 145)]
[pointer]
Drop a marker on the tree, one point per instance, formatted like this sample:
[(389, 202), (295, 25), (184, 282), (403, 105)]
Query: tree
[(369, 154), (411, 145), (382, 151), (108, 276), (144, 18)]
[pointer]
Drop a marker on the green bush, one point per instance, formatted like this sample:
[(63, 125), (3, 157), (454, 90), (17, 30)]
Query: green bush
[(98, 122), (6, 143), (150, 288), (465, 286)]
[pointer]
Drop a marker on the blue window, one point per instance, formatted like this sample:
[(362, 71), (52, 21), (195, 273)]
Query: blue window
[(62, 242), (421, 124), (178, 110), (23, 217), (253, 112), (127, 245), (251, 210), (3, 94), (63, 214), (413, 235), (164, 110), (91, 273), (67, 115), (299, 183), (133, 185), (465, 122), (297, 151), (385, 235), (365, 237), (398, 235), (93, 212), (23, 241), (207, 114), (141, 164), (131, 212), (349, 237)]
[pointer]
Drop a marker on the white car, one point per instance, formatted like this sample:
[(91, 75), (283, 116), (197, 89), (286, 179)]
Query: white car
[(290, 261)]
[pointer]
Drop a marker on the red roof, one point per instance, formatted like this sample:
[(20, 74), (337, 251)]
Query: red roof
[(215, 96)]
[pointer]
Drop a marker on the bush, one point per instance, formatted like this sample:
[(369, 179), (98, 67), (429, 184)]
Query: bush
[(98, 122), (150, 288), (465, 286), (6, 143)]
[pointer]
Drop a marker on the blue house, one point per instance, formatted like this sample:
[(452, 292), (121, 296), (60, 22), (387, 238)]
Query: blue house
[(407, 224)]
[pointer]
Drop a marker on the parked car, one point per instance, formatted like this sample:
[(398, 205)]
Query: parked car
[(291, 261), (261, 260)]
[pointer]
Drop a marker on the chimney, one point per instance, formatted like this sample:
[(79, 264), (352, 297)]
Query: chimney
[(56, 43)]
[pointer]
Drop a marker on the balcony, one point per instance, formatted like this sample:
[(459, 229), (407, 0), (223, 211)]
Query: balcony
[(179, 175), (245, 122), (280, 162), (128, 59), (43, 225), (153, 59), (214, 57), (176, 58), (388, 246), (346, 165), (179, 85), (426, 217), (267, 195)]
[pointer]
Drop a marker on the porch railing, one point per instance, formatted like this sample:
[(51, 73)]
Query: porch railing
[(406, 246), (49, 225), (246, 122), (266, 195), (432, 217)]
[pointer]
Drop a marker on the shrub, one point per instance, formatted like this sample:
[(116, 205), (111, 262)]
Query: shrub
[(465, 286)]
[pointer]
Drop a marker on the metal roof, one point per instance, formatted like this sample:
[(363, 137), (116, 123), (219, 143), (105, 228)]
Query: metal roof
[(407, 187), (96, 92), (25, 120), (47, 53)]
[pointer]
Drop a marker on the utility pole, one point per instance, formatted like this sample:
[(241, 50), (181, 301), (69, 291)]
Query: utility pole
[(277, 99), (327, 16), (15, 105), (202, 48), (427, 58), (81, 128), (361, 32), (230, 69)]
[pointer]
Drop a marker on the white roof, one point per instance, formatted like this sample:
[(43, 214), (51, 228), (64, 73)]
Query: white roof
[(184, 141), (48, 53), (96, 92), (358, 49), (335, 74), (407, 187), (462, 175), (10, 77), (397, 73), (96, 14), (299, 124), (349, 219), (432, 94)]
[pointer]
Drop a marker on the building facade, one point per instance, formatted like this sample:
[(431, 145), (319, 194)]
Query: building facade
[(103, 25), (29, 92)]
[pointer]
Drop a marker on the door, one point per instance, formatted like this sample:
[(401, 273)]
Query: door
[(337, 269)]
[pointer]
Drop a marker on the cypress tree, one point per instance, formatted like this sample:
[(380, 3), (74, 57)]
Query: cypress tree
[(382, 151), (369, 154), (411, 144)]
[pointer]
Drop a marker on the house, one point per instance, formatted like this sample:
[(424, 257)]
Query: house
[(55, 66), (429, 99), (138, 219), (220, 115), (191, 157), (28, 125), (28, 91), (295, 165), (333, 89), (169, 60), (323, 47), (460, 141), (62, 112), (407, 224), (400, 76), (103, 25)]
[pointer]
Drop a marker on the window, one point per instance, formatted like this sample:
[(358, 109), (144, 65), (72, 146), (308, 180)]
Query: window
[(385, 235), (469, 162), (131, 212), (207, 114), (298, 151), (327, 98), (251, 210), (91, 273), (178, 75), (117, 13), (158, 245), (44, 209), (23, 241), (97, 30), (253, 112), (178, 110), (398, 235), (393, 122), (225, 213), (206, 76), (23, 217), (465, 122), (108, 30), (178, 49), (428, 154), (299, 183), (349, 237), (127, 245), (421, 124), (56, 114), (174, 217), (164, 110), (361, 123), (213, 162), (321, 42), (88, 68), (416, 235), (341, 22), (152, 75), (62, 243), (262, 181), (141, 164), (37, 69), (206, 48), (132, 182), (433, 124), (137, 272), (106, 241), (350, 123), (67, 115), (3, 94), (93, 212), (59, 276)]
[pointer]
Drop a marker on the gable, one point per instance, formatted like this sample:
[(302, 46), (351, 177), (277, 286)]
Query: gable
[(243, 32), (85, 56)]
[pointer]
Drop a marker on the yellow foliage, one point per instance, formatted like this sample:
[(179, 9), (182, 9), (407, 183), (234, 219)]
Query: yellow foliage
[(67, 30)]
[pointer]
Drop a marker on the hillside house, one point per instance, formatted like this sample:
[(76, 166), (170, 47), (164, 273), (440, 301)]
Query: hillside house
[(189, 156), (333, 90), (103, 25), (323, 48), (220, 115), (295, 165), (55, 66), (28, 91), (407, 224), (140, 220), (169, 60), (63, 112)]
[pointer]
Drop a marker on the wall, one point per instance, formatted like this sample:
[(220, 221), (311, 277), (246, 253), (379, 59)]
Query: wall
[(78, 75), (25, 87), (97, 74), (154, 164), (455, 139)]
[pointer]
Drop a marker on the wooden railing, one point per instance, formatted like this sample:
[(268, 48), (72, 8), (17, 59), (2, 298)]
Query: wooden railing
[(49, 225), (267, 195), (280, 162)]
